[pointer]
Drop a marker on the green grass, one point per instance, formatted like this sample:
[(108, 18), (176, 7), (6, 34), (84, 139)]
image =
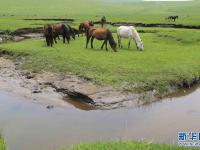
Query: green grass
[(2, 143), (129, 145), (12, 12), (171, 57)]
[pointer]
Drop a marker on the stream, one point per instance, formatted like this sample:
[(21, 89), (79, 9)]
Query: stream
[(28, 125)]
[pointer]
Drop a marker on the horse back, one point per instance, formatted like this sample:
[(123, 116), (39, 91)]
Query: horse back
[(100, 34)]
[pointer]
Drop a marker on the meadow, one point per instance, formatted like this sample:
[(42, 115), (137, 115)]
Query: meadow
[(129, 145), (170, 58), (2, 143), (13, 12)]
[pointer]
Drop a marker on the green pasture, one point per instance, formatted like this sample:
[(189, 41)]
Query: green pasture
[(171, 57), (129, 145), (12, 12), (2, 143)]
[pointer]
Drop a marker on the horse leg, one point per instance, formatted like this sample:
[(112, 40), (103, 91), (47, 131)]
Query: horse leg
[(106, 41), (87, 41), (54, 37), (103, 44), (47, 41), (119, 41), (63, 38), (51, 41), (92, 39), (129, 43), (68, 39)]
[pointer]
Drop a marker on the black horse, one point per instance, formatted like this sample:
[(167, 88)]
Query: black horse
[(173, 18), (48, 34), (63, 29)]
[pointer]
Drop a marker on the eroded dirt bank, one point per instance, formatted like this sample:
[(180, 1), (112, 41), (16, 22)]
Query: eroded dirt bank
[(54, 89)]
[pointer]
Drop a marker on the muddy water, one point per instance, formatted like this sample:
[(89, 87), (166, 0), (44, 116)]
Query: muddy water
[(29, 126)]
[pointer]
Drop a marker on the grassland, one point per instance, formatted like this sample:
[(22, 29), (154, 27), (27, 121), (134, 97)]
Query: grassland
[(127, 146), (171, 58), (12, 12), (2, 144)]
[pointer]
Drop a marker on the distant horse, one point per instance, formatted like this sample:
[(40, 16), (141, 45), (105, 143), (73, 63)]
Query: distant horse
[(172, 18), (131, 33), (48, 34), (101, 34), (63, 29), (103, 21), (84, 26)]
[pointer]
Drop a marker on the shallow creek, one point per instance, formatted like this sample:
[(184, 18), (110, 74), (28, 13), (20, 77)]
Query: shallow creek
[(29, 126)]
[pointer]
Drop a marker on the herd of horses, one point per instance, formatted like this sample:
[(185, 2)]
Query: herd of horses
[(52, 33)]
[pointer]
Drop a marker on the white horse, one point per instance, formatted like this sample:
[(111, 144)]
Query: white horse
[(129, 32)]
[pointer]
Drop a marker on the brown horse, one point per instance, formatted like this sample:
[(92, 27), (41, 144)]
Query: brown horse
[(101, 34), (84, 26), (48, 34), (63, 29), (103, 21)]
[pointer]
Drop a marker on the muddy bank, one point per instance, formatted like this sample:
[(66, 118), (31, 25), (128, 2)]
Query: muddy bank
[(22, 31), (58, 88), (19, 83), (20, 34), (65, 86)]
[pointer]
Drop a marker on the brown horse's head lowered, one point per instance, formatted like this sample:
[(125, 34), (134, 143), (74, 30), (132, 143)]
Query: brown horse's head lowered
[(101, 34)]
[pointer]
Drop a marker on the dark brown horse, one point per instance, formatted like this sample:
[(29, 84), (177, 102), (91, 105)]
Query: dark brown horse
[(103, 21), (84, 26), (76, 31), (63, 29), (101, 34), (48, 34)]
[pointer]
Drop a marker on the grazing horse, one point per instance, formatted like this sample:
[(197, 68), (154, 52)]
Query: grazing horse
[(101, 34), (173, 18), (84, 26), (131, 33), (103, 21), (76, 31), (48, 34), (63, 29)]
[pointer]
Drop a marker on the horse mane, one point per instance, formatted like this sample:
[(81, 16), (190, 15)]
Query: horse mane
[(136, 34), (110, 38)]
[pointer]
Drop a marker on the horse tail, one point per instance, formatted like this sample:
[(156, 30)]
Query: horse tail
[(111, 40)]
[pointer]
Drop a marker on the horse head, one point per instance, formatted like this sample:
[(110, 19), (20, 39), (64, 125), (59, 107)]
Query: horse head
[(140, 45)]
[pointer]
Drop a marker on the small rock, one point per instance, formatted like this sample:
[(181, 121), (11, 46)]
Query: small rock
[(36, 91), (1, 40), (50, 107)]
